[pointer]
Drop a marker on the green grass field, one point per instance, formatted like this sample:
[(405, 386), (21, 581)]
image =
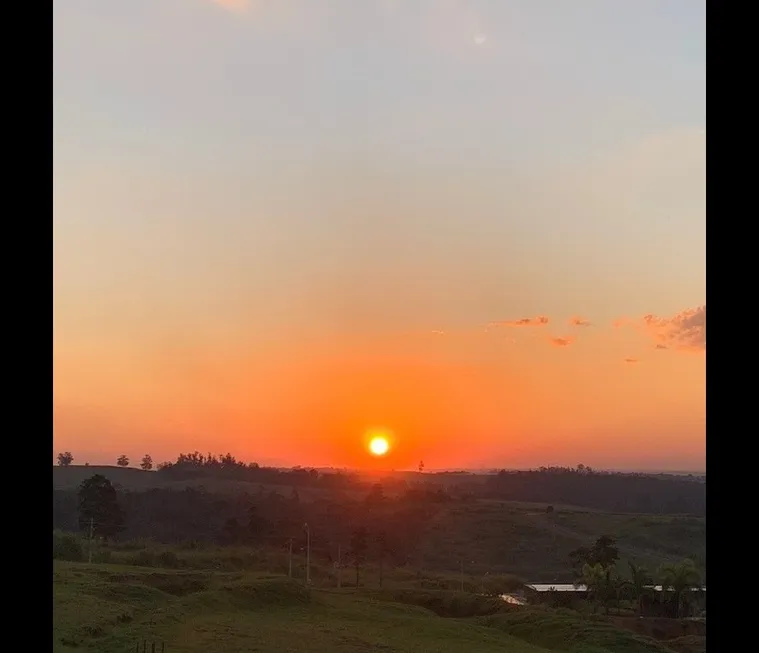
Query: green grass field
[(524, 540), (109, 608)]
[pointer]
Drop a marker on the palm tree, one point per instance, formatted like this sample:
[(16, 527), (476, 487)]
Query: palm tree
[(638, 584), (593, 577), (602, 583), (680, 578)]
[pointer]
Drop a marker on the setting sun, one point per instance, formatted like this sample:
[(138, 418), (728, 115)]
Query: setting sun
[(379, 445)]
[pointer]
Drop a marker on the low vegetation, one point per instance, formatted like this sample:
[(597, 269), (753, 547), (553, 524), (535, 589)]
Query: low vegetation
[(434, 523), (109, 608), (396, 564)]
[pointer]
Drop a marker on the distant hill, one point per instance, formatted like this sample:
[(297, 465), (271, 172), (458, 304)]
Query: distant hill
[(66, 478), (429, 523), (138, 480)]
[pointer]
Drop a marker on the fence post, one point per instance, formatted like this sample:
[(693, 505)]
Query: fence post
[(152, 648), (163, 647), (144, 646)]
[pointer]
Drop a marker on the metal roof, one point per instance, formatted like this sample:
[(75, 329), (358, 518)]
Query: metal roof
[(569, 587), (557, 587)]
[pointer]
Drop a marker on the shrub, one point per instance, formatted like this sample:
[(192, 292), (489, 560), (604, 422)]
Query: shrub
[(144, 558), (102, 557), (67, 546), (169, 560)]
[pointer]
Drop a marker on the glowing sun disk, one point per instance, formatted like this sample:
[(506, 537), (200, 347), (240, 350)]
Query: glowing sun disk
[(379, 445)]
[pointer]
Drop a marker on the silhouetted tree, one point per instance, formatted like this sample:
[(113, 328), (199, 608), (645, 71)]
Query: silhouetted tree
[(122, 461), (638, 584), (65, 459), (601, 583), (359, 544), (579, 557), (99, 507), (549, 508), (376, 495), (604, 552), (383, 550), (680, 578), (147, 462), (421, 466), (256, 525), (232, 531)]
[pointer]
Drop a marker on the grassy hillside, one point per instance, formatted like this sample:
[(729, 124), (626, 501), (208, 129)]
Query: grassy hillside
[(108, 608), (488, 536), (500, 537)]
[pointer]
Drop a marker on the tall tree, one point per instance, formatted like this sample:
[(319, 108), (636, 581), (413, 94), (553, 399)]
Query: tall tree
[(592, 577), (359, 545), (376, 495), (579, 557), (604, 552), (257, 525), (231, 531), (147, 462), (680, 578), (383, 550), (638, 584), (65, 459), (99, 507), (122, 461), (601, 583)]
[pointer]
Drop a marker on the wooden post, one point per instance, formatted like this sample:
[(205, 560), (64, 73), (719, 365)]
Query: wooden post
[(152, 648)]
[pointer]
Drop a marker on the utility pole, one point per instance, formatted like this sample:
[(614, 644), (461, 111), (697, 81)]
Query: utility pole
[(308, 554), (339, 568), (290, 560), (92, 531)]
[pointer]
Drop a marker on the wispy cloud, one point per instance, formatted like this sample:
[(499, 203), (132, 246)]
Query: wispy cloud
[(685, 331), (578, 321), (631, 361), (541, 320), (562, 342)]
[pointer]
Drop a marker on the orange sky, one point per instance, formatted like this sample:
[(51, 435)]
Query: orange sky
[(503, 396), (265, 212)]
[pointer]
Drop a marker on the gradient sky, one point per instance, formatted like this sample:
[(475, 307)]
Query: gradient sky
[(278, 223)]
